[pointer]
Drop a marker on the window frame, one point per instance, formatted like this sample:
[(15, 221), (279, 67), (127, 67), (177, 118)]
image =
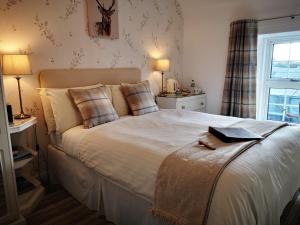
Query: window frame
[(264, 67)]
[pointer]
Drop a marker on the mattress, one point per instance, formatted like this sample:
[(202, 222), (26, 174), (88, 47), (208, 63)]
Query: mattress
[(253, 189), (56, 138)]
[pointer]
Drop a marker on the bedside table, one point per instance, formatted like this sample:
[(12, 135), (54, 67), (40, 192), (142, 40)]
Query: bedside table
[(192, 102), (30, 190)]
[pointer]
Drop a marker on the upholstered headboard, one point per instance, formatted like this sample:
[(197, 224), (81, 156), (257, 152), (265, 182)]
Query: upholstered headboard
[(65, 78)]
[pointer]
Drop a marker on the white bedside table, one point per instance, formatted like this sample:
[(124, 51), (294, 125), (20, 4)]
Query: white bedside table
[(192, 103), (27, 199)]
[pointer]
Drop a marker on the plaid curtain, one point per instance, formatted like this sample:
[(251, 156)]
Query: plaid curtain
[(239, 95)]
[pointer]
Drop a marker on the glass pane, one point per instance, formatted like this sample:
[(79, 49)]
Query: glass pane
[(280, 69), (286, 61), (295, 51), (294, 72), (281, 52), (277, 99), (274, 109), (284, 105), (293, 110)]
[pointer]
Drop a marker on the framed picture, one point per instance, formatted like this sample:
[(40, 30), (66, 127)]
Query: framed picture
[(103, 18)]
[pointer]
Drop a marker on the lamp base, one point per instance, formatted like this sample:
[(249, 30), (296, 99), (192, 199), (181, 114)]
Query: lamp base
[(22, 116)]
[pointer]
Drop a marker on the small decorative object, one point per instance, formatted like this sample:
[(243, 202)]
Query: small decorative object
[(162, 65), (17, 65), (178, 92), (185, 93), (186, 90), (193, 85), (197, 91), (9, 114), (103, 18), (172, 86)]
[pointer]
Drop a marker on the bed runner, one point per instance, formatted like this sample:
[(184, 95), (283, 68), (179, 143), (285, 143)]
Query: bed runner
[(187, 178)]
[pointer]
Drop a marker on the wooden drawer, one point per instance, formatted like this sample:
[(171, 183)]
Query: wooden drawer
[(193, 103)]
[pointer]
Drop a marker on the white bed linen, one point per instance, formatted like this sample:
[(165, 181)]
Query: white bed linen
[(253, 190), (56, 140)]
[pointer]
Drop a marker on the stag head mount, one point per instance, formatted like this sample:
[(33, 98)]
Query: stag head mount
[(104, 27)]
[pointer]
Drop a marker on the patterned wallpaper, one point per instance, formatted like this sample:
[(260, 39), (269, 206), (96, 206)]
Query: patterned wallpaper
[(54, 33)]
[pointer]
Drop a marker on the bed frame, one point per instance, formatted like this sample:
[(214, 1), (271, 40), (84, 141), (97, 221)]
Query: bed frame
[(66, 78), (120, 206), (93, 190)]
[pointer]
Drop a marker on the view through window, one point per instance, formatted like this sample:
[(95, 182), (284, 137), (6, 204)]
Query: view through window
[(283, 104), (279, 82)]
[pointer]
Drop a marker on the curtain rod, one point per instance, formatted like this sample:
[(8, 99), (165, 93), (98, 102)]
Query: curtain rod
[(280, 17)]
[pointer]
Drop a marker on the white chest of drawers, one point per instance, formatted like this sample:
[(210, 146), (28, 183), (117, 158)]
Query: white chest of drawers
[(192, 103)]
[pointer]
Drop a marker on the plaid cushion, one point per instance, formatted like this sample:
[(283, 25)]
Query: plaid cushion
[(139, 98), (94, 106)]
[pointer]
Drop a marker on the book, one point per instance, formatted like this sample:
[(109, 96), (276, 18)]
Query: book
[(233, 134), (20, 155)]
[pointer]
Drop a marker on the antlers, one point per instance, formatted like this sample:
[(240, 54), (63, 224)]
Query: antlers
[(102, 7)]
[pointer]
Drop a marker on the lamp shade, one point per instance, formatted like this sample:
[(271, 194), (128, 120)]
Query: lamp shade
[(16, 65), (162, 65)]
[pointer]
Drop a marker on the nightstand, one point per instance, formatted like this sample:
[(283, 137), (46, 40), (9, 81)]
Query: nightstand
[(192, 102), (30, 190)]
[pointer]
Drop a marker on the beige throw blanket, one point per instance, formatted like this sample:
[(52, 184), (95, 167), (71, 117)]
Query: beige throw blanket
[(187, 178)]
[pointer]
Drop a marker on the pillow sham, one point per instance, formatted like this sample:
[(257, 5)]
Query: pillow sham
[(118, 100), (59, 107), (94, 106), (65, 112), (48, 113), (139, 98)]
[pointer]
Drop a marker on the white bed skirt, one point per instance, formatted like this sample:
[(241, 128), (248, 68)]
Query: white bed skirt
[(96, 192), (119, 206)]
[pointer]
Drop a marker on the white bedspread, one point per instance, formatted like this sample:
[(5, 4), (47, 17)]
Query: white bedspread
[(253, 189)]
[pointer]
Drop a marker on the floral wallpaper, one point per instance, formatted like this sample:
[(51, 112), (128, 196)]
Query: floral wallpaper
[(54, 33)]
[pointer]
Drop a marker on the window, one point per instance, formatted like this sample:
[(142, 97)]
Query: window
[(278, 86), (283, 105), (286, 61)]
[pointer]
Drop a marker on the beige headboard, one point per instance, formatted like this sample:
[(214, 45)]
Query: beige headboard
[(65, 78)]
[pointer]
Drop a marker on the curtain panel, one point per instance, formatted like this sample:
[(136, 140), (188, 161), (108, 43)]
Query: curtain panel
[(239, 95)]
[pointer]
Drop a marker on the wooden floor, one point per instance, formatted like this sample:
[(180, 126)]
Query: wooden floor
[(59, 208)]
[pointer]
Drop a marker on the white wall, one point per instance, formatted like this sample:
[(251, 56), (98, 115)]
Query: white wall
[(206, 33)]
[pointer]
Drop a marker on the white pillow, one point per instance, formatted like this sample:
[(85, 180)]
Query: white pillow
[(48, 113), (118, 100), (65, 112), (62, 111)]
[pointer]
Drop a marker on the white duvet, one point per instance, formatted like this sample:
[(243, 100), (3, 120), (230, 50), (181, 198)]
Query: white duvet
[(253, 189)]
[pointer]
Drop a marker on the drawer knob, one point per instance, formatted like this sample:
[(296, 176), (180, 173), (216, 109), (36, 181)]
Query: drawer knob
[(183, 107), (202, 103)]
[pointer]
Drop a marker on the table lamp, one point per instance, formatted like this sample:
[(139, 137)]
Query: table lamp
[(17, 65), (162, 65)]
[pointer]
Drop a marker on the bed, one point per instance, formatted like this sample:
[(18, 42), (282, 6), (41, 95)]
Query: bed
[(253, 189)]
